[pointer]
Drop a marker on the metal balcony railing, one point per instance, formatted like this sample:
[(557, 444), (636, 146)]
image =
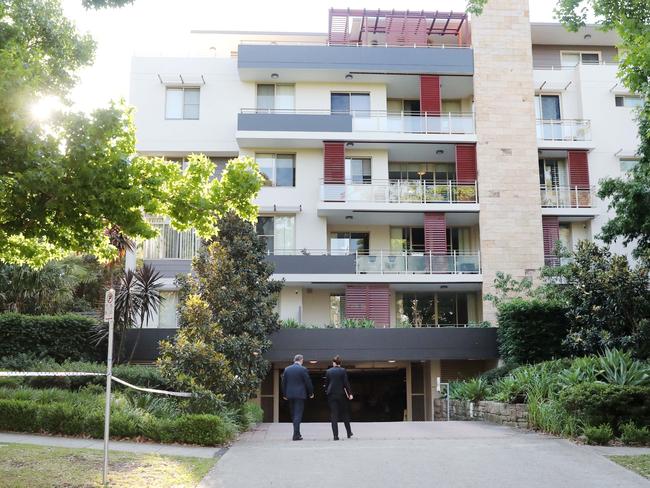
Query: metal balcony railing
[(564, 130), (400, 191), (554, 261), (390, 262), (566, 197), (170, 243), (452, 44), (383, 121)]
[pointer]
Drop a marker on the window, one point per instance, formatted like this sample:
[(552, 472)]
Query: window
[(547, 107), (552, 173), (337, 309), (278, 169), (279, 232), (275, 97), (459, 239), (358, 170), (170, 243), (167, 312), (220, 163), (350, 102), (431, 172), (342, 243), (430, 309), (628, 165), (628, 101), (574, 58), (182, 103), (407, 239)]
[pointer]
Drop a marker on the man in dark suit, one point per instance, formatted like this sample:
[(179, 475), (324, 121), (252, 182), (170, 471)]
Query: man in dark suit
[(339, 393), (296, 387)]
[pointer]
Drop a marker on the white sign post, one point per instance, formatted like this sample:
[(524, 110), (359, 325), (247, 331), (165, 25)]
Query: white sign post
[(109, 312)]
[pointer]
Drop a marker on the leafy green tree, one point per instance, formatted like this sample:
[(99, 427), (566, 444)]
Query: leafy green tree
[(64, 183), (227, 313), (628, 197)]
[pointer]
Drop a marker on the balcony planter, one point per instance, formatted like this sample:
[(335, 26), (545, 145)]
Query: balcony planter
[(465, 194)]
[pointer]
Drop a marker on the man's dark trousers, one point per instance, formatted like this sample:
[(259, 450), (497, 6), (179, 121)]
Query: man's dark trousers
[(296, 407), (339, 412)]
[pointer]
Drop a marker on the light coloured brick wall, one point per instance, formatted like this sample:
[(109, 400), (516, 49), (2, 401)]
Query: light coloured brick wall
[(510, 216)]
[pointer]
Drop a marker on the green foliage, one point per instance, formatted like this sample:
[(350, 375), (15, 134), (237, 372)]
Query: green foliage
[(292, 324), (77, 161), (549, 416), (507, 288), (530, 331), (357, 324), (619, 368), (597, 403), (227, 315), (631, 435), (59, 337), (607, 301), (204, 429), (19, 415), (600, 435), (473, 390), (497, 373)]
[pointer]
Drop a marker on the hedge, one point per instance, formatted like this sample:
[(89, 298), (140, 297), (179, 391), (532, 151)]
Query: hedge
[(598, 403), (531, 331), (59, 337), (64, 418)]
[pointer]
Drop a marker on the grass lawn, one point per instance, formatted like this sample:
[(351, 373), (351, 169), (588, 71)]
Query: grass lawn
[(24, 465), (640, 463)]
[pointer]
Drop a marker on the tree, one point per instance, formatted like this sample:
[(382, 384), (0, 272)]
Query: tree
[(63, 184), (227, 314), (607, 301), (629, 197)]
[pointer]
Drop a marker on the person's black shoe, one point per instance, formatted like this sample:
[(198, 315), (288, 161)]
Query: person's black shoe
[(336, 438), (298, 438), (350, 435)]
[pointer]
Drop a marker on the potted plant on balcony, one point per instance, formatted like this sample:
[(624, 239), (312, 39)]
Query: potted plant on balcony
[(465, 193), (437, 193)]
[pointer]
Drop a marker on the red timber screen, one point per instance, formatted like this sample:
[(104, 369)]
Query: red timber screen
[(334, 162), (579, 170), (430, 94), (435, 233), (465, 163), (368, 302), (551, 234)]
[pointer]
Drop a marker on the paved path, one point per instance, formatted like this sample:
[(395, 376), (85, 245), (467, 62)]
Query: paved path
[(138, 447), (414, 454)]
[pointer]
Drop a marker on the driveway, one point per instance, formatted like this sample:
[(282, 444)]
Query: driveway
[(414, 454)]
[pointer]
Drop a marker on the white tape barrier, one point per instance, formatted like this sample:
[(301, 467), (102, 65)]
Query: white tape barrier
[(182, 394)]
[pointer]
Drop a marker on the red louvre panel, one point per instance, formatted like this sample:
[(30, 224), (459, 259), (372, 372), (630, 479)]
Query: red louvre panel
[(356, 302), (578, 169), (435, 233), (379, 305), (551, 233), (334, 162), (466, 163), (430, 94)]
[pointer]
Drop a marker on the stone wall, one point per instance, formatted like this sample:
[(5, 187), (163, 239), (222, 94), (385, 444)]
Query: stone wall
[(511, 216), (513, 415)]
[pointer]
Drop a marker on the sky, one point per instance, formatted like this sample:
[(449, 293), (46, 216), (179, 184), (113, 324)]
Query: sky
[(158, 26)]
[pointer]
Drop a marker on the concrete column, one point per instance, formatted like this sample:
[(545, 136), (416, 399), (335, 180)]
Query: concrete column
[(510, 217)]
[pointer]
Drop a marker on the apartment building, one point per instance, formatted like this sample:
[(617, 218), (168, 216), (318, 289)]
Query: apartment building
[(409, 157)]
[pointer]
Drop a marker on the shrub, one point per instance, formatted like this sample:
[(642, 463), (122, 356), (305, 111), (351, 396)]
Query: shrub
[(60, 337), (495, 374), (18, 415), (204, 429), (531, 331), (473, 390), (634, 436), (597, 403), (600, 435), (619, 368), (357, 324), (60, 418)]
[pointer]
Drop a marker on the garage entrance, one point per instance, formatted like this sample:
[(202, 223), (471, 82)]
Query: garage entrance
[(379, 396)]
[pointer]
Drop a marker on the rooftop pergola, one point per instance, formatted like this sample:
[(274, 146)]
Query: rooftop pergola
[(400, 27)]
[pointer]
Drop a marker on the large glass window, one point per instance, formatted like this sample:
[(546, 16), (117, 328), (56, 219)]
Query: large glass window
[(628, 101), (337, 309), (547, 107), (573, 58), (552, 172), (279, 233), (441, 309), (170, 243), (429, 172), (168, 310), (358, 103), (182, 103), (349, 242), (275, 97), (359, 170), (278, 169), (459, 239), (407, 239)]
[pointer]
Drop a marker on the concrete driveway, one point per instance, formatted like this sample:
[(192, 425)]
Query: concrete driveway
[(414, 454)]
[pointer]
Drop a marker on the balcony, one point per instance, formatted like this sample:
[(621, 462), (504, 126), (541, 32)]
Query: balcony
[(388, 262), (273, 127), (555, 261), (568, 200), (564, 133), (415, 195)]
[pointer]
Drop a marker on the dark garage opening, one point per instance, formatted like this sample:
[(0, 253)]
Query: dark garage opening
[(379, 396)]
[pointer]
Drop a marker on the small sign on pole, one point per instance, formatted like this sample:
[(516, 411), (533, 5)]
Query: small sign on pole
[(109, 313)]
